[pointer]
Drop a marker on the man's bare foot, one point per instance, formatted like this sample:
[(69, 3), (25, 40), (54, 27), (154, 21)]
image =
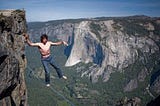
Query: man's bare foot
[(64, 77), (48, 85)]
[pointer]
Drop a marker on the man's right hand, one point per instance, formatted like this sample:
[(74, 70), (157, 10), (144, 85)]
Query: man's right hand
[(26, 36)]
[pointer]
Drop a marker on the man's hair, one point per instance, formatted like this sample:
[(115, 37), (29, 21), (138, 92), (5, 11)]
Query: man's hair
[(44, 36)]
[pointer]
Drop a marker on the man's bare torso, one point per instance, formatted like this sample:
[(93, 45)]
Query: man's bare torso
[(44, 49)]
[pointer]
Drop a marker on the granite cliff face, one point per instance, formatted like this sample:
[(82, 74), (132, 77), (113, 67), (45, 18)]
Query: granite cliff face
[(12, 58), (128, 45), (109, 48)]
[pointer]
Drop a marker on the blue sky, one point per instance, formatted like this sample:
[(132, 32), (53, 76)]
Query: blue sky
[(44, 10)]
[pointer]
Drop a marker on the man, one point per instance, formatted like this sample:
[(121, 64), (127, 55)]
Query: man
[(46, 58)]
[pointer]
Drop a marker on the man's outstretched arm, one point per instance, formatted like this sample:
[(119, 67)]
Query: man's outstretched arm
[(59, 43), (28, 40)]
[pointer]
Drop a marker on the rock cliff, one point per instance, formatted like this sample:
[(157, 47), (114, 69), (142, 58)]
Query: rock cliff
[(12, 58)]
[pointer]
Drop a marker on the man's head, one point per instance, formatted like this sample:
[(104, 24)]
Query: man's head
[(44, 38)]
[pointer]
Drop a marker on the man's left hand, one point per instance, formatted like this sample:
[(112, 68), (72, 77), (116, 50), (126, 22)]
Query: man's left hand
[(65, 43)]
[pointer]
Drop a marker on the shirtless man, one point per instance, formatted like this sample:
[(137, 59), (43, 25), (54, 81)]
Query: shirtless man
[(46, 58)]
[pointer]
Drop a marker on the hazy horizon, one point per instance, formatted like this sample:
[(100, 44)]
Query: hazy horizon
[(46, 10), (93, 18)]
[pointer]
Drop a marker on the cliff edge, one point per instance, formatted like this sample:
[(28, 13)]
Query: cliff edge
[(12, 58)]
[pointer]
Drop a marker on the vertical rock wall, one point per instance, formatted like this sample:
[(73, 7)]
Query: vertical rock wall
[(12, 59)]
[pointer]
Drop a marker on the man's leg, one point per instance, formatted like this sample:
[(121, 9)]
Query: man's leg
[(58, 70), (47, 73)]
